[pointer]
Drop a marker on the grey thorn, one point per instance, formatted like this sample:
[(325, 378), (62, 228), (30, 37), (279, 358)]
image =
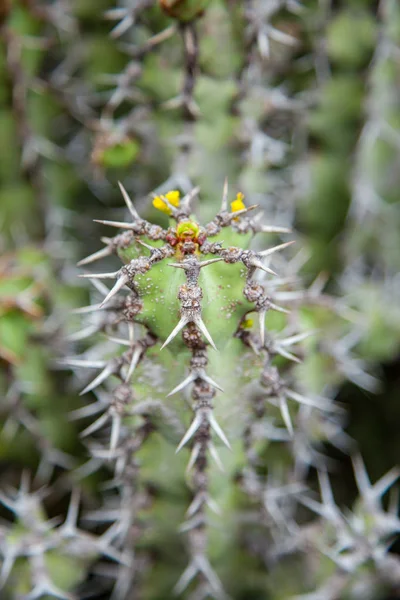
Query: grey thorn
[(275, 248), (135, 359), (98, 424), (99, 285), (214, 506), (82, 334), (224, 203), (71, 520), (10, 556), (86, 411), (287, 354), (84, 363), (199, 374), (210, 575), (200, 324), (151, 248), (261, 319), (198, 500), (274, 306), (272, 229), (47, 588), (119, 285), (259, 265), (286, 414), (214, 424), (183, 321), (119, 224), (197, 421), (103, 253), (106, 372), (321, 403), (299, 337), (85, 309), (214, 454), (205, 263), (326, 490), (129, 202), (188, 198), (361, 475), (178, 265), (188, 380), (208, 379), (115, 432), (193, 456), (119, 341), (189, 573), (385, 482), (99, 275)]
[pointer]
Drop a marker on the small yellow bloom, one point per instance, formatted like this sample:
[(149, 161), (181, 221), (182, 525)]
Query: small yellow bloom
[(238, 203), (247, 324), (173, 198)]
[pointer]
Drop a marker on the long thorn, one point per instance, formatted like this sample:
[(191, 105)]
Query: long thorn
[(272, 229), (200, 324), (183, 321), (259, 265), (286, 414), (84, 363), (99, 275), (218, 430), (193, 456), (261, 319), (106, 372), (205, 263), (215, 456), (188, 198), (115, 431), (114, 290), (276, 248), (189, 379), (208, 379), (135, 359), (119, 224), (224, 203), (197, 421), (273, 306), (107, 251), (98, 424), (128, 202)]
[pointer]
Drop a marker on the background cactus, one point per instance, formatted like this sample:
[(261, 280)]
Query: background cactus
[(297, 105)]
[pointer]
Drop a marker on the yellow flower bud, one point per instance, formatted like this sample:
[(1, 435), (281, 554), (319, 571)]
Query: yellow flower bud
[(247, 324), (238, 203), (173, 198)]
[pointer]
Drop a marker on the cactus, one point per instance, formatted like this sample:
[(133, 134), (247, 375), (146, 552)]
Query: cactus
[(186, 309), (297, 104)]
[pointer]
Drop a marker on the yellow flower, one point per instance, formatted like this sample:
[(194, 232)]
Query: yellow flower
[(247, 324), (238, 203), (173, 198)]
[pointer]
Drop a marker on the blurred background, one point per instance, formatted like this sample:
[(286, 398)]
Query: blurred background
[(297, 103)]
